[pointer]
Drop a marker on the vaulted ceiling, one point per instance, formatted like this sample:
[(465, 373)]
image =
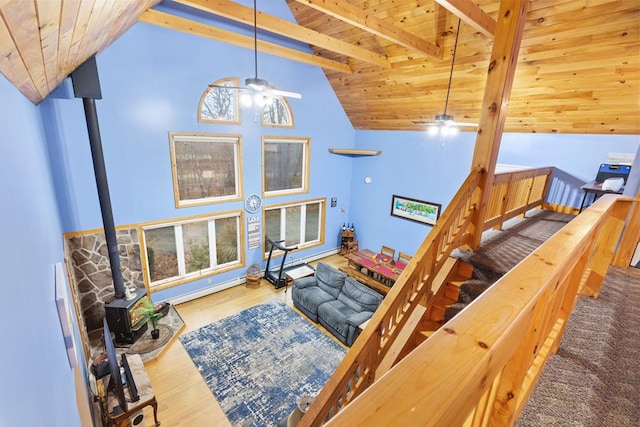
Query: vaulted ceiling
[(389, 61)]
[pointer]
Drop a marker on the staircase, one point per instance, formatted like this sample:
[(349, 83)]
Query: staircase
[(429, 316), (448, 294), (403, 325)]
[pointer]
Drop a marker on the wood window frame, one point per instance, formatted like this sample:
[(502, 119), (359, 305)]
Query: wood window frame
[(219, 85), (175, 137), (306, 165), (301, 245), (184, 277), (287, 108)]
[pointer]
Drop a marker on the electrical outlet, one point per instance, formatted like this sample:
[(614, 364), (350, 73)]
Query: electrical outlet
[(209, 281)]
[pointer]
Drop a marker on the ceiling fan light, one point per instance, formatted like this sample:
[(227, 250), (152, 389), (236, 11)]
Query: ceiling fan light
[(259, 100), (433, 130), (246, 100), (449, 130)]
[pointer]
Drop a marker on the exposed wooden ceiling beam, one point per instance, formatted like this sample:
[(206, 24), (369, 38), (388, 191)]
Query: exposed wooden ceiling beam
[(471, 14), (239, 13), (362, 19), (173, 22)]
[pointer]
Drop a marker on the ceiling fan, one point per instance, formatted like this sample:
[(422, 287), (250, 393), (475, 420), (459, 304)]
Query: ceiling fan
[(257, 89), (444, 123)]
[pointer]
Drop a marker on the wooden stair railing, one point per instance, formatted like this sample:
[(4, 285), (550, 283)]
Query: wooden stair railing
[(454, 229), (514, 193), (480, 369), (357, 370)]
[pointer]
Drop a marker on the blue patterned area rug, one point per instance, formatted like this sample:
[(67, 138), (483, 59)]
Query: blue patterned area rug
[(259, 362)]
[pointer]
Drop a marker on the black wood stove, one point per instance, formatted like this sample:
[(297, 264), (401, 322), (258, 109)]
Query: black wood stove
[(124, 321)]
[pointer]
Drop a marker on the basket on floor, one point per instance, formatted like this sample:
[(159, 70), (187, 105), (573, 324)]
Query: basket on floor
[(253, 276)]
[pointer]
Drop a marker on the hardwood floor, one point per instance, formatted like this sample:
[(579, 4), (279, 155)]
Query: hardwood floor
[(183, 397)]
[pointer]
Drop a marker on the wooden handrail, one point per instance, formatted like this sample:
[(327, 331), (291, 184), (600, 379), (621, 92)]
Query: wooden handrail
[(454, 229), (514, 193), (481, 367)]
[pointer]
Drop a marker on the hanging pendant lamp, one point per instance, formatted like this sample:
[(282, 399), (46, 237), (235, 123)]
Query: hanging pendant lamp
[(444, 124)]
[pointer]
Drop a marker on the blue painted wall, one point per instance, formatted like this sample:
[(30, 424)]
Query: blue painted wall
[(151, 85), (415, 165), (411, 165), (578, 155), (37, 381)]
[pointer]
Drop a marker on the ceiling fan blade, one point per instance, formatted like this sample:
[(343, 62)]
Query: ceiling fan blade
[(444, 123), (227, 87), (276, 92), (262, 89)]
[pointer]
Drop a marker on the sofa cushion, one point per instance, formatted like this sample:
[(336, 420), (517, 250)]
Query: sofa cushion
[(329, 279), (359, 297), (334, 315), (308, 300)]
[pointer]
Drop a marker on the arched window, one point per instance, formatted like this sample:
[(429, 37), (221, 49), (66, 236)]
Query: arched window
[(219, 103), (277, 114)]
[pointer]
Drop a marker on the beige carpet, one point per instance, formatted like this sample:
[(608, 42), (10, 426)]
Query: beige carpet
[(594, 379), (500, 251)]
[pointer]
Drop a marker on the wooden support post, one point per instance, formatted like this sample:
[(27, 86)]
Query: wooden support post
[(606, 244), (571, 296), (502, 68), (630, 236)]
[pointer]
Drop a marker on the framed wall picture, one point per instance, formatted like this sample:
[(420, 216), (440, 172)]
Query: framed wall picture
[(415, 210)]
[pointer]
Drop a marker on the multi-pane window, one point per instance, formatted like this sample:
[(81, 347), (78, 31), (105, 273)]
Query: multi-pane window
[(298, 224), (206, 168), (285, 165), (277, 114), (184, 250), (219, 103)]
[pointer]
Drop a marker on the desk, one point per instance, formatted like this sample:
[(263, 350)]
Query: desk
[(595, 188), (147, 397), (380, 275)]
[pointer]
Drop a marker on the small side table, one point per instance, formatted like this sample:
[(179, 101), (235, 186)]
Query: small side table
[(303, 270), (296, 273), (145, 391)]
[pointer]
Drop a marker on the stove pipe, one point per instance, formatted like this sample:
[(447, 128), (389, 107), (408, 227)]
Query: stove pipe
[(87, 86)]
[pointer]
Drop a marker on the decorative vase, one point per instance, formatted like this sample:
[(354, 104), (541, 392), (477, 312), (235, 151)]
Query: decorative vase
[(155, 333)]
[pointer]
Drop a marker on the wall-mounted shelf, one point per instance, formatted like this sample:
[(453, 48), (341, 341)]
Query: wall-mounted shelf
[(354, 153)]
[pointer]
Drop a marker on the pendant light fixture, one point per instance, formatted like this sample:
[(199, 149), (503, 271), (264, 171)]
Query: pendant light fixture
[(444, 124), (257, 91)]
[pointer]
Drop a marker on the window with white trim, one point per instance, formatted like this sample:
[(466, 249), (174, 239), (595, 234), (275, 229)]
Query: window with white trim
[(180, 251), (206, 168), (298, 224), (285, 165)]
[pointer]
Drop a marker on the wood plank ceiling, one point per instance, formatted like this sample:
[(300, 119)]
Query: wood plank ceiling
[(387, 60), (43, 41)]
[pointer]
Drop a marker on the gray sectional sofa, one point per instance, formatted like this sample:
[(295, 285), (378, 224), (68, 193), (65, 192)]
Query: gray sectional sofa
[(336, 301)]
